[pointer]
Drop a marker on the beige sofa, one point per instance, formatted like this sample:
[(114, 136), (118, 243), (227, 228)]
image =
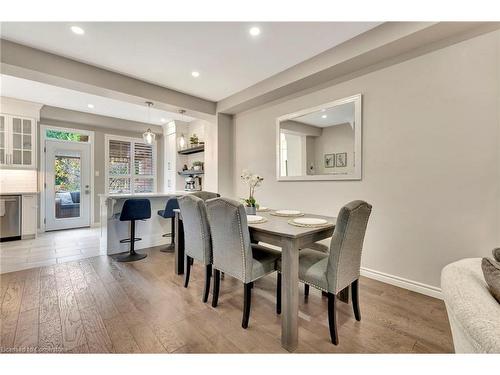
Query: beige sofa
[(473, 312)]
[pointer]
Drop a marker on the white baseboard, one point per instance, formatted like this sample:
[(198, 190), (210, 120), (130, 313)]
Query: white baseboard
[(95, 224), (401, 282)]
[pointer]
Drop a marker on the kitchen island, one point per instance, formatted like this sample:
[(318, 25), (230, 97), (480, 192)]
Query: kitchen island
[(151, 231)]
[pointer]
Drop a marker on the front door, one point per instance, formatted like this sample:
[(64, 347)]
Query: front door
[(67, 191)]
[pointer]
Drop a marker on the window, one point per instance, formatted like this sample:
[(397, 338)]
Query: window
[(130, 165), (66, 135)]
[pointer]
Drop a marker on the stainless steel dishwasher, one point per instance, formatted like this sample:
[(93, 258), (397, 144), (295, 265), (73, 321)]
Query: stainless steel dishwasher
[(10, 217)]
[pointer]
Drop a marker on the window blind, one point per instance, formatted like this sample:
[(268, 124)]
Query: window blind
[(119, 157), (143, 159)]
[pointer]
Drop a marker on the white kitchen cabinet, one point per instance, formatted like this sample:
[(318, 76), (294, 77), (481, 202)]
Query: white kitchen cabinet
[(17, 142), (29, 216)]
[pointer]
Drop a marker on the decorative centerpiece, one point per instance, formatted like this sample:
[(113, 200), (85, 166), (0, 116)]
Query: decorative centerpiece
[(253, 181)]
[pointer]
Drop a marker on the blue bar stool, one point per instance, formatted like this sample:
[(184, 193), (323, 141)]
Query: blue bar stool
[(134, 209), (168, 213)]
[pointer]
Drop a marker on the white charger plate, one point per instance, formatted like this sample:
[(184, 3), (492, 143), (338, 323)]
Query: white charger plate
[(288, 212), (261, 208), (309, 221), (254, 218)]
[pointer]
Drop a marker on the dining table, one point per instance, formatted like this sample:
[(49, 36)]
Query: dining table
[(277, 231)]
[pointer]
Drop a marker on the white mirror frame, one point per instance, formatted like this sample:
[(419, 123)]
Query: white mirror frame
[(358, 122)]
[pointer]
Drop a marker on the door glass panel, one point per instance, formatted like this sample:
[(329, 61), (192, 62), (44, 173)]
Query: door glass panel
[(26, 157), (16, 125), (16, 157), (27, 142), (27, 126), (67, 174), (16, 138)]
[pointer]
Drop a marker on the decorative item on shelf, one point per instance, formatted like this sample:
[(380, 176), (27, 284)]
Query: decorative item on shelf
[(253, 181), (198, 165), (193, 140), (185, 167), (149, 136)]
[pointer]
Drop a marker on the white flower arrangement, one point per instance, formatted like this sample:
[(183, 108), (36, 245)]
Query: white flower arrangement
[(253, 181)]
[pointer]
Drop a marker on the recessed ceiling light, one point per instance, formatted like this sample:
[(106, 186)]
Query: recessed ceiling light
[(77, 30), (163, 120), (254, 31), (195, 74), (90, 106), (324, 116)]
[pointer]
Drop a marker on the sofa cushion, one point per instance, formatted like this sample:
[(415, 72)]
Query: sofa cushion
[(491, 272), (496, 254), (65, 198), (75, 196)]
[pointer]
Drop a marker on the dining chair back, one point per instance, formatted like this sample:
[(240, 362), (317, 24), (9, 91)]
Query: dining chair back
[(344, 261), (232, 251), (205, 195), (197, 241), (197, 238)]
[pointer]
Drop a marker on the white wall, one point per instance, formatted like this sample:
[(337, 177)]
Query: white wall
[(430, 152)]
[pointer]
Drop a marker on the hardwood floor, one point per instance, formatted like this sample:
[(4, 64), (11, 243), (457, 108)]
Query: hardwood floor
[(97, 305)]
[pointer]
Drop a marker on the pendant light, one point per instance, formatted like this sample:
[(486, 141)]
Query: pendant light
[(149, 136), (182, 139)]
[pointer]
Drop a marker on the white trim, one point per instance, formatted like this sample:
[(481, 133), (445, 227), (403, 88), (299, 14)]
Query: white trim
[(358, 146), (41, 179), (132, 140), (401, 282)]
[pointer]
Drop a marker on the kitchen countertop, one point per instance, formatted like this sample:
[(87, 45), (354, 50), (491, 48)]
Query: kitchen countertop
[(143, 195), (20, 193)]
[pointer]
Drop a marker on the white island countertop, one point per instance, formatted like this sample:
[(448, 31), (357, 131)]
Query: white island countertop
[(144, 195)]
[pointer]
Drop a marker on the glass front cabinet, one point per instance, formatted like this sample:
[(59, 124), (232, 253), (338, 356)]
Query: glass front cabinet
[(17, 142)]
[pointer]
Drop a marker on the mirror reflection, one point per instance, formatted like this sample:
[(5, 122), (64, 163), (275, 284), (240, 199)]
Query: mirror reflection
[(321, 143)]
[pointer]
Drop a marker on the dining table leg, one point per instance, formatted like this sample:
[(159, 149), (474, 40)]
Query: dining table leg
[(179, 245), (290, 294)]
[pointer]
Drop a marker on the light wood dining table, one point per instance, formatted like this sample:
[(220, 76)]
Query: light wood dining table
[(278, 232)]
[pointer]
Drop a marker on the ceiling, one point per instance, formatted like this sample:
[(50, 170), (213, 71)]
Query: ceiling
[(340, 114), (227, 57), (55, 96)]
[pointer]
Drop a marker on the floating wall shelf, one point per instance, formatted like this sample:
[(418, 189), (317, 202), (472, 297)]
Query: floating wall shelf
[(192, 150)]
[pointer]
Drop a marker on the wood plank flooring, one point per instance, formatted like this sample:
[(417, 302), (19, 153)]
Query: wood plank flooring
[(97, 305)]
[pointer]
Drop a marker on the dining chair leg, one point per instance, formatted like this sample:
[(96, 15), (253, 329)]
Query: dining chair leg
[(306, 290), (215, 296), (208, 276), (246, 304), (278, 294), (355, 299), (187, 270), (332, 318)]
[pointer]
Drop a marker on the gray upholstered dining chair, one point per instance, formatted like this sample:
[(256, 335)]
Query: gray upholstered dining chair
[(205, 195), (233, 253), (340, 268), (197, 238)]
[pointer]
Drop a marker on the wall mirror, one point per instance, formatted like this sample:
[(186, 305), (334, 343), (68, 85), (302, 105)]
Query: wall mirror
[(321, 143)]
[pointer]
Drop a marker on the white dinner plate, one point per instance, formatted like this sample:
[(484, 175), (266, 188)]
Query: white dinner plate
[(254, 218), (288, 212), (262, 208), (309, 221)]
